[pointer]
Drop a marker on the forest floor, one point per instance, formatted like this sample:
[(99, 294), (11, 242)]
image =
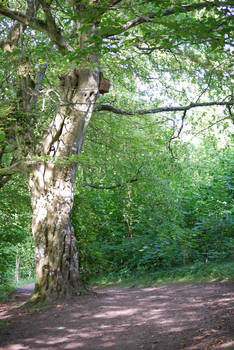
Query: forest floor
[(187, 316)]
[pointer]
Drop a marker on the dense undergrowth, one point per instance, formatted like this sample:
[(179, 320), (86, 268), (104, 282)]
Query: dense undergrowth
[(199, 272), (175, 216)]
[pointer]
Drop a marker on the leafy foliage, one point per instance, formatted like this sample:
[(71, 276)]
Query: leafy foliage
[(16, 247), (174, 214)]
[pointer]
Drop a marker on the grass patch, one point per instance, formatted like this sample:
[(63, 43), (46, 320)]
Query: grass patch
[(199, 272)]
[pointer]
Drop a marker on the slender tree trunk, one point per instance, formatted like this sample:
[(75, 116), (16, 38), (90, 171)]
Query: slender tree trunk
[(51, 185)]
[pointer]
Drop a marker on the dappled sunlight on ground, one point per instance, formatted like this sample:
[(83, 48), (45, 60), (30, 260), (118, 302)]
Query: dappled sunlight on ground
[(169, 317)]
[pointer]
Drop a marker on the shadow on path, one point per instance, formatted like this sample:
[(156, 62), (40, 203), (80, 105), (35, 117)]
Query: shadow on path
[(189, 316)]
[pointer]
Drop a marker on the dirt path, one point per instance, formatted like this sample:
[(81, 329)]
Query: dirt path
[(168, 317)]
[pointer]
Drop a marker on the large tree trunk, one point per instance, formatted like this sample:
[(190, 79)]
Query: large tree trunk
[(51, 185)]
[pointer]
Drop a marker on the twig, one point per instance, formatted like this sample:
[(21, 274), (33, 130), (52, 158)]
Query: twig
[(208, 127), (173, 136)]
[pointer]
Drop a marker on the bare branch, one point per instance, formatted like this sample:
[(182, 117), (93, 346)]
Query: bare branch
[(134, 179), (174, 136), (169, 109), (117, 110), (109, 187), (230, 113)]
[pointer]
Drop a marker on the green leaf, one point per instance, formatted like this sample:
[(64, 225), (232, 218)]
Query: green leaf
[(2, 136)]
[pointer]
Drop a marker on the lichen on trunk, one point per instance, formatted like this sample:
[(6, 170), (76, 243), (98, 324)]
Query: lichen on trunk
[(51, 185)]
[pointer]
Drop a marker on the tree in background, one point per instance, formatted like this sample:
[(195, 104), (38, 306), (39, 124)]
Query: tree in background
[(58, 49)]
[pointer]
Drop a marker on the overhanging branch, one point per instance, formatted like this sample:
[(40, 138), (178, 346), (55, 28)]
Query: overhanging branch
[(119, 111), (168, 12), (175, 134)]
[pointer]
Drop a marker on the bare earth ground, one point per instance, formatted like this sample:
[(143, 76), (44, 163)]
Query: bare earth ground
[(186, 316)]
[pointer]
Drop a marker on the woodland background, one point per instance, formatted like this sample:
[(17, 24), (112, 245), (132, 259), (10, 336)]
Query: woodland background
[(178, 212)]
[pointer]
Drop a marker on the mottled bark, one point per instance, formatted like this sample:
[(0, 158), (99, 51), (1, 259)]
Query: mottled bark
[(57, 272), (52, 188)]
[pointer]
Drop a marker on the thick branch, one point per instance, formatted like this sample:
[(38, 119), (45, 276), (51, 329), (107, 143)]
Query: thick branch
[(168, 12), (53, 30), (16, 31), (27, 20), (46, 27), (161, 109)]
